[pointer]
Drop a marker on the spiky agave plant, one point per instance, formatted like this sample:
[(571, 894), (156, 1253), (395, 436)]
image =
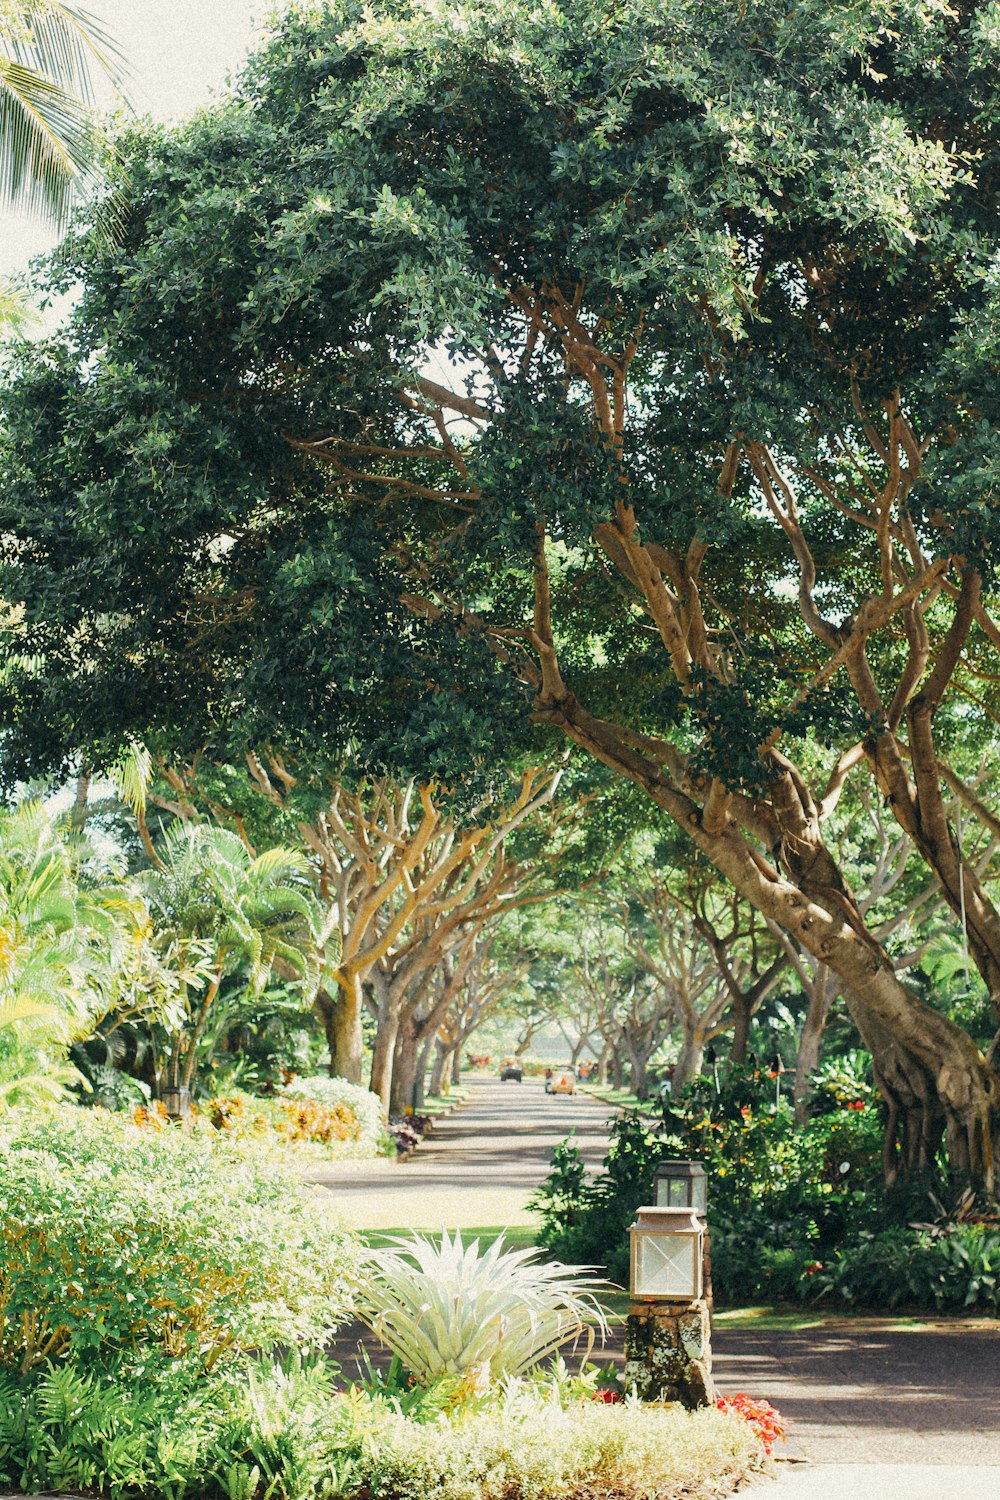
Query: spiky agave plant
[(448, 1310)]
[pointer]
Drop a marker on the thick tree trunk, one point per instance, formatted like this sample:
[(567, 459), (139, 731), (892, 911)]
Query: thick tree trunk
[(822, 993), (742, 1015), (439, 1070), (404, 1071), (420, 1082), (688, 1064), (602, 1066), (456, 1066), (340, 1014), (930, 1072), (927, 1067), (383, 1059)]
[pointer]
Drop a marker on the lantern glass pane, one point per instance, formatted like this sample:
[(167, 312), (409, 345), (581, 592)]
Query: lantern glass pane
[(700, 1200), (672, 1192), (666, 1265)]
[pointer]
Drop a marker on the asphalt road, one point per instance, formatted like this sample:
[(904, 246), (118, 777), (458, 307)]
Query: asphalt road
[(479, 1166)]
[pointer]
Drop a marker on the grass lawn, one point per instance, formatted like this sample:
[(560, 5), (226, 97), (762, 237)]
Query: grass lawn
[(440, 1104), (516, 1237), (618, 1098)]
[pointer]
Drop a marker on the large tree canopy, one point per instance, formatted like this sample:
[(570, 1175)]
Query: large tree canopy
[(626, 369)]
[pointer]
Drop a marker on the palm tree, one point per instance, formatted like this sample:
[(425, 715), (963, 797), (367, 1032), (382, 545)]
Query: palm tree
[(62, 954), (50, 53), (215, 909)]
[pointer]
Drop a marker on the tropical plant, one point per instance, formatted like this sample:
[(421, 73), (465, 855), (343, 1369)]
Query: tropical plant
[(116, 1242), (164, 1430), (65, 954), (216, 908), (364, 1106), (449, 1311), (50, 144)]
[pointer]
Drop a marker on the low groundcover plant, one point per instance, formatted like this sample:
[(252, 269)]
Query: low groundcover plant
[(166, 1430)]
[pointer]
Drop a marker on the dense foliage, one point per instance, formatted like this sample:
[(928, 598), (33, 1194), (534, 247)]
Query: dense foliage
[(116, 1241), (481, 368), (154, 1431), (794, 1213)]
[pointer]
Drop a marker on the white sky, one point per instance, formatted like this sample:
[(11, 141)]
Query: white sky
[(179, 53)]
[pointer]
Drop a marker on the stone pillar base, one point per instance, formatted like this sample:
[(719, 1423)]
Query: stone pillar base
[(668, 1352)]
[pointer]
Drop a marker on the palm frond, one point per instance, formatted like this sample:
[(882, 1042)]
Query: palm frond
[(50, 142), (16, 313)]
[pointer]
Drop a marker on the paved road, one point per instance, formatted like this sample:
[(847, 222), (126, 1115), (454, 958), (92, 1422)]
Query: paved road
[(478, 1167), (881, 1400)]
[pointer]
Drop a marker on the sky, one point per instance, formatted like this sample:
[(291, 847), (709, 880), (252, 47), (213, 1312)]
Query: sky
[(179, 53)]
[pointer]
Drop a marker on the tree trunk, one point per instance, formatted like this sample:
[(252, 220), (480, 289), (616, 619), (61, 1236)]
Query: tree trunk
[(404, 1071), (439, 1069), (742, 1015), (822, 993), (78, 817), (383, 1059), (456, 1066), (688, 1064), (638, 1061), (928, 1068), (602, 1066), (420, 1082), (340, 1014)]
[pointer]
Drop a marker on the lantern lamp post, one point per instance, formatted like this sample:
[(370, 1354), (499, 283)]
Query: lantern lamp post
[(681, 1184), (667, 1250), (668, 1340)]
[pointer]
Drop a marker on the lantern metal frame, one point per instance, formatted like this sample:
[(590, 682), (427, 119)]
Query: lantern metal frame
[(667, 1229), (681, 1184)]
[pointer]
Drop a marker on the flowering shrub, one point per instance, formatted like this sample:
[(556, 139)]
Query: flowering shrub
[(308, 1120), (115, 1239), (765, 1421), (151, 1116), (367, 1130)]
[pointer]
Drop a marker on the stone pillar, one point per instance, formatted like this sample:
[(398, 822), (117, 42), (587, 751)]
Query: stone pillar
[(668, 1352)]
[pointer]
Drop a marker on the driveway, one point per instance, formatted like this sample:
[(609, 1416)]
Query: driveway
[(478, 1167)]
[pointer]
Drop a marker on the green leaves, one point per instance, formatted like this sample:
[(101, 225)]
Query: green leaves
[(92, 1207)]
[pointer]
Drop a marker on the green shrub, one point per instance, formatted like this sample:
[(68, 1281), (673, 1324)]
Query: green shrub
[(795, 1213), (949, 1271), (112, 1238), (165, 1431)]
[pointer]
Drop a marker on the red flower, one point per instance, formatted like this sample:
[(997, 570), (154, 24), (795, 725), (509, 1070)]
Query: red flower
[(761, 1415), (607, 1396)]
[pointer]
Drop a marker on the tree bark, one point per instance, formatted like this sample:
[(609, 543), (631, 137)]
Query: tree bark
[(688, 1064), (822, 993), (928, 1068), (742, 1016), (420, 1082), (404, 1070), (440, 1068), (340, 1013)]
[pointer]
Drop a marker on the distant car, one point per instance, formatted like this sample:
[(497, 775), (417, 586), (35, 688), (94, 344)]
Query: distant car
[(563, 1081), (510, 1072)]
